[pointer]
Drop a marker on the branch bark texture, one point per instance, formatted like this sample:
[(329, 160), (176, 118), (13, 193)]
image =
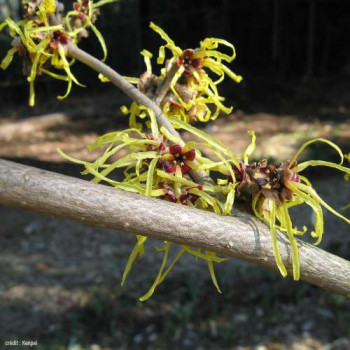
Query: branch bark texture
[(239, 236)]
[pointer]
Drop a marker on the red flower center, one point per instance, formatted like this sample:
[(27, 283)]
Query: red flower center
[(187, 60), (179, 158)]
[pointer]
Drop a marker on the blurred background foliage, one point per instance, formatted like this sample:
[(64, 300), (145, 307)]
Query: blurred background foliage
[(282, 41)]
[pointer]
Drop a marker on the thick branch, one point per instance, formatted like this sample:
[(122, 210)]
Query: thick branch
[(242, 236)]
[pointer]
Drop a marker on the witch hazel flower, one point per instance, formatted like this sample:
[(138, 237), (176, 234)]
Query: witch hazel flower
[(192, 91), (185, 197), (42, 38), (191, 73), (189, 61), (275, 189), (179, 160)]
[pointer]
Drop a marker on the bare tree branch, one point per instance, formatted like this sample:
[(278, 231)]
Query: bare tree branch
[(240, 236)]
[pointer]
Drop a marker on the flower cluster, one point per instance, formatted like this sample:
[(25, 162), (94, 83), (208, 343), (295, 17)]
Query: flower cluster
[(275, 189), (43, 36), (270, 190), (151, 160), (192, 91), (153, 166)]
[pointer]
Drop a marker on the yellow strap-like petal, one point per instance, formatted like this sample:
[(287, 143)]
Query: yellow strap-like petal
[(103, 2), (276, 249), (250, 149), (150, 174), (302, 166), (159, 276), (283, 211), (8, 58), (170, 43), (306, 144), (211, 255), (101, 40), (137, 251)]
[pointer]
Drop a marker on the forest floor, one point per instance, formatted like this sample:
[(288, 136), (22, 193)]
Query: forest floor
[(60, 280)]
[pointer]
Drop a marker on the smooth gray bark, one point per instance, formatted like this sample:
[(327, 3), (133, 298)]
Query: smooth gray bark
[(241, 236)]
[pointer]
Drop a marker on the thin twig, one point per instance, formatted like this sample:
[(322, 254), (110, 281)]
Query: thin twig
[(242, 236), (116, 79), (166, 84), (134, 94)]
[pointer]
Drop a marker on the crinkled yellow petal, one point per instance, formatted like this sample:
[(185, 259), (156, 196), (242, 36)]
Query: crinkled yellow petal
[(97, 175), (159, 276), (31, 94), (147, 58), (62, 54), (287, 223), (69, 88), (157, 193), (171, 266), (128, 160), (222, 182), (154, 124), (202, 135), (276, 249), (101, 40), (44, 29), (34, 69), (211, 255), (171, 137), (220, 69), (8, 58), (3, 25), (137, 251), (170, 43), (14, 27), (204, 256), (131, 80), (175, 178), (229, 200), (306, 144), (105, 79), (233, 76), (314, 194), (250, 149), (302, 166), (53, 75), (314, 204), (255, 206), (103, 2), (150, 174), (70, 159), (213, 43), (213, 202)]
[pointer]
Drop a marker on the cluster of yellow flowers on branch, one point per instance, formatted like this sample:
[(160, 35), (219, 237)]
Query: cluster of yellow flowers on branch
[(150, 158), (42, 36)]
